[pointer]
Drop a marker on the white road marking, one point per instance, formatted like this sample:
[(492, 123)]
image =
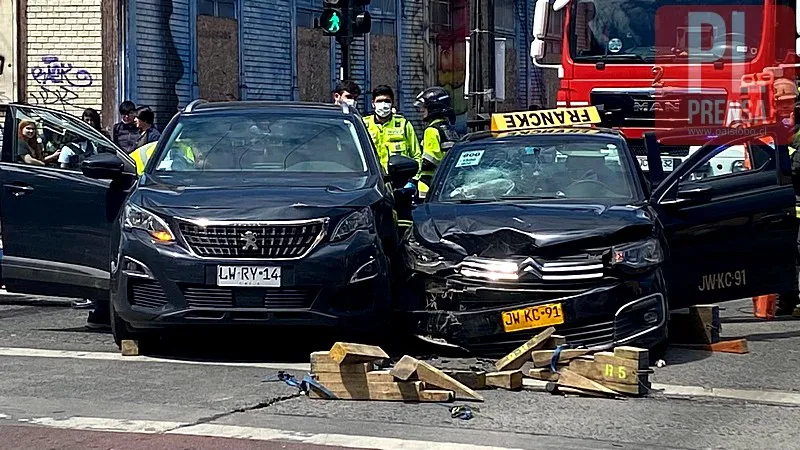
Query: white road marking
[(772, 397), (253, 433), (108, 356), (670, 390)]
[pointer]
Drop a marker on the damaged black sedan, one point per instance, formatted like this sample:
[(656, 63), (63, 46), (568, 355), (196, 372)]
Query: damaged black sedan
[(559, 227)]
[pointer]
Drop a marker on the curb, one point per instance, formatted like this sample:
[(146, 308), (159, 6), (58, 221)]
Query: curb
[(7, 298)]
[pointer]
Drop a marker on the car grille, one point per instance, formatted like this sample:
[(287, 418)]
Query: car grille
[(146, 294), (590, 335), (576, 268), (639, 149), (279, 241), (277, 298)]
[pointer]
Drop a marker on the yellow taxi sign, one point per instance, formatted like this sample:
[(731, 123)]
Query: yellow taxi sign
[(548, 118), (577, 130)]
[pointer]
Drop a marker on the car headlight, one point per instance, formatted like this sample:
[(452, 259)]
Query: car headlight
[(363, 219), (142, 219), (638, 255)]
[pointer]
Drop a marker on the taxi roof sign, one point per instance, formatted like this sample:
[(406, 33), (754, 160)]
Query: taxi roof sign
[(547, 118)]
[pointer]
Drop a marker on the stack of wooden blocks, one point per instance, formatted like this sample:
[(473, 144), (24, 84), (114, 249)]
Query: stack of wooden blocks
[(348, 372), (623, 371)]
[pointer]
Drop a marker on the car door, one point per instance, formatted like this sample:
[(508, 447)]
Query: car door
[(730, 234), (56, 223)]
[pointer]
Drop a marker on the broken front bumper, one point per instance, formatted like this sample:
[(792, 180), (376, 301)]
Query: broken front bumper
[(609, 312)]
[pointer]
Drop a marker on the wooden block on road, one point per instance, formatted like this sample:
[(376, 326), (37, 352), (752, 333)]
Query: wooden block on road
[(348, 353), (509, 379), (321, 362), (380, 376), (408, 366), (129, 348), (521, 355), (603, 373), (410, 391), (541, 358), (700, 326), (571, 379), (475, 380), (641, 355), (611, 358), (554, 341), (543, 374)]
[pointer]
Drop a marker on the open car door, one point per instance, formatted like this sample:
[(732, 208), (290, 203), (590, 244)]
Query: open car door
[(731, 234), (56, 222)]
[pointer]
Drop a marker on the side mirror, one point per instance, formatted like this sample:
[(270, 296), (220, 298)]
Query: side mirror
[(103, 166), (691, 194), (401, 169), (540, 16)]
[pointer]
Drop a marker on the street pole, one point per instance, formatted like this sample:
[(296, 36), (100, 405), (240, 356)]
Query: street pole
[(344, 44), (482, 62)]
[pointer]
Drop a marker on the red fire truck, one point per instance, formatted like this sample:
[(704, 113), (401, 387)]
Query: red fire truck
[(651, 65)]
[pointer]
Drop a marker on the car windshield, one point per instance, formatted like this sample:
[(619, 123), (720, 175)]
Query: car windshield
[(272, 144), (626, 31), (547, 169)]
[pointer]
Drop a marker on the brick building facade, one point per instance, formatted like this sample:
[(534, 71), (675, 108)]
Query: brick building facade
[(64, 55)]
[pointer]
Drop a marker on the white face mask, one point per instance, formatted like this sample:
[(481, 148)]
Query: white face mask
[(349, 102), (383, 109)]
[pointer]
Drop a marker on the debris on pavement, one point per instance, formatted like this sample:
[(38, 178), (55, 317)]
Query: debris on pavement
[(700, 330), (348, 372), (510, 380), (129, 348), (463, 412), (661, 363)]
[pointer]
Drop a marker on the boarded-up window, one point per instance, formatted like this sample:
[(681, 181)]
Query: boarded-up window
[(313, 65), (217, 58), (383, 60), (511, 80)]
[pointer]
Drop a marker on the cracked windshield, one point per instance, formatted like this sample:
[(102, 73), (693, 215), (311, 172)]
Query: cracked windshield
[(552, 170), (263, 143), (627, 30)]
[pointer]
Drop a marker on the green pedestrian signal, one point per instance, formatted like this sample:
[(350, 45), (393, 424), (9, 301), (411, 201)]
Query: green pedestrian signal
[(331, 21)]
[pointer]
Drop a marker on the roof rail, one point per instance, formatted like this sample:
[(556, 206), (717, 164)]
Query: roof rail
[(193, 104)]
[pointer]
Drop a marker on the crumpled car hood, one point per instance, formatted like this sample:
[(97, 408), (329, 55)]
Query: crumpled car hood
[(501, 230)]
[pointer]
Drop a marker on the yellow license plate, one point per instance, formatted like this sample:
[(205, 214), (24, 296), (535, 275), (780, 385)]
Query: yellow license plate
[(533, 317)]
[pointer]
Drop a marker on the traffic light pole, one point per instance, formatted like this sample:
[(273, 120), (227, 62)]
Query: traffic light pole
[(344, 45)]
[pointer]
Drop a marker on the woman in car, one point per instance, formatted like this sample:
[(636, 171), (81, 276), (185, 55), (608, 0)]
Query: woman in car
[(29, 151)]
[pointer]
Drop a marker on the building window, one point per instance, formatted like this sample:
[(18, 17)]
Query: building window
[(382, 7), (440, 16), (217, 8), (504, 16), (382, 27)]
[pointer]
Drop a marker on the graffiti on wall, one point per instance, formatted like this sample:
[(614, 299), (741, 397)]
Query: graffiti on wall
[(57, 83)]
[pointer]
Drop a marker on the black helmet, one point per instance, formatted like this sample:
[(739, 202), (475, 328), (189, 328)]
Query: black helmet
[(436, 101)]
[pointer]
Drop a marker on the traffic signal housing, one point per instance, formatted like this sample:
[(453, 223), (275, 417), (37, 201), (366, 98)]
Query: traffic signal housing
[(344, 18)]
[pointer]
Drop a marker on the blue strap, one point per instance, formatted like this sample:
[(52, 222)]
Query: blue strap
[(556, 355), (303, 386), (317, 385)]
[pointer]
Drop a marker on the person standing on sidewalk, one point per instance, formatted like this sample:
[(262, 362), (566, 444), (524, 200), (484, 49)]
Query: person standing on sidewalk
[(124, 133)]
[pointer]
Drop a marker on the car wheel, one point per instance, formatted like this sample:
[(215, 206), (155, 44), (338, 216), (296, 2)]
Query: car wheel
[(122, 331)]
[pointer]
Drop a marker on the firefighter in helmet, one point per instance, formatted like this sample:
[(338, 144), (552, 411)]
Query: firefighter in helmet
[(436, 108)]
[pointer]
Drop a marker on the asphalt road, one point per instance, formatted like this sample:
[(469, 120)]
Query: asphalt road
[(64, 387)]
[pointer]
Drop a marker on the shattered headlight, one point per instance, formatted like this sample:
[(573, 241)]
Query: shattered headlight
[(362, 219), (142, 219), (420, 255), (638, 255)]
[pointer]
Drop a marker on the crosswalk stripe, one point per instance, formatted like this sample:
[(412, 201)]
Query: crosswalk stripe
[(108, 356), (253, 433)]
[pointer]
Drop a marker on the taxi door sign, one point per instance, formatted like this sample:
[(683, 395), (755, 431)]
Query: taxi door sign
[(548, 118)]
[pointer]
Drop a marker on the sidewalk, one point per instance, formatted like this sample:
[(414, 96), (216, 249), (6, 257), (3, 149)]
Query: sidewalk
[(8, 298)]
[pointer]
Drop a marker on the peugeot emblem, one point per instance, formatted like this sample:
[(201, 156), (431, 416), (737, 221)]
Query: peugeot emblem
[(249, 239)]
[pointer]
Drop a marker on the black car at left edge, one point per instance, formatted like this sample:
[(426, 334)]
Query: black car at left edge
[(247, 213), (539, 224)]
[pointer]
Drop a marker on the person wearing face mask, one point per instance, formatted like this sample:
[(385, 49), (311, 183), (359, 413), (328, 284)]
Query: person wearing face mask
[(346, 92), (391, 133)]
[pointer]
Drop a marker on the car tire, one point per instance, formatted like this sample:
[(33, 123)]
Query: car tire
[(122, 331)]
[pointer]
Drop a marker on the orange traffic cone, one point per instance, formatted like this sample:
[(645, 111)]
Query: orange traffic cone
[(765, 306)]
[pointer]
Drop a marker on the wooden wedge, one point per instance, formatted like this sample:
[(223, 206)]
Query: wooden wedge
[(347, 353), (521, 355)]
